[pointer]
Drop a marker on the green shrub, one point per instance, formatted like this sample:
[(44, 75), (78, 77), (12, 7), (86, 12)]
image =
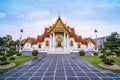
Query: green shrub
[(3, 58), (102, 56), (34, 52), (13, 48), (108, 61), (12, 58), (19, 54), (118, 55), (16, 52), (82, 53), (2, 53), (2, 49), (95, 54), (11, 53)]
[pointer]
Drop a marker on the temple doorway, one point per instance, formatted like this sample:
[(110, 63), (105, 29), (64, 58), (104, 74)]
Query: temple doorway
[(59, 41)]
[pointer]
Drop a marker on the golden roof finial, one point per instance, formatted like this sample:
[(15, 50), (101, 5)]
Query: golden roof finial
[(59, 15)]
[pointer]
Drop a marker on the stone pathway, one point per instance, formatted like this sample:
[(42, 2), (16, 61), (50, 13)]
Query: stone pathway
[(59, 67)]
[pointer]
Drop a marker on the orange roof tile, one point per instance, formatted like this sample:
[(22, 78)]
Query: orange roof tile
[(46, 32), (39, 39)]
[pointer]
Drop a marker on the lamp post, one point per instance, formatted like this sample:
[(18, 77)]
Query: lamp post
[(21, 31), (95, 31)]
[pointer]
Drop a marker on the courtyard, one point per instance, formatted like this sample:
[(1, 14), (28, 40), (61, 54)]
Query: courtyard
[(58, 67)]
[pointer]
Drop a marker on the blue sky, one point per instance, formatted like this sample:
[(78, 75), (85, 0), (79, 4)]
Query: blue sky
[(34, 15)]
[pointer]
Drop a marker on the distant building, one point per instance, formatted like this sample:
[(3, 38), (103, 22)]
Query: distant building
[(100, 41)]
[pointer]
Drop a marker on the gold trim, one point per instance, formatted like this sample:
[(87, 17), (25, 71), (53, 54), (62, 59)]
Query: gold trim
[(59, 26)]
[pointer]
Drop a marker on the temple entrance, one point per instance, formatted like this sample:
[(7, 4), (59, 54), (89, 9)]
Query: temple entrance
[(59, 41)]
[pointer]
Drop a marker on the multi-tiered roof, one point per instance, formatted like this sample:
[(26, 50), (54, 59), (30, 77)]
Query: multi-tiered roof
[(59, 26)]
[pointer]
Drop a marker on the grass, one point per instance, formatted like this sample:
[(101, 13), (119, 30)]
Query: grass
[(22, 59), (92, 59), (95, 60), (117, 61)]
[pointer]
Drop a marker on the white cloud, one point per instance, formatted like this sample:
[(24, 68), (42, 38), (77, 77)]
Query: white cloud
[(38, 14), (86, 28), (34, 15), (2, 15), (83, 28)]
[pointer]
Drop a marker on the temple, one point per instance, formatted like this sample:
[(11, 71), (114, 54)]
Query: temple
[(58, 38)]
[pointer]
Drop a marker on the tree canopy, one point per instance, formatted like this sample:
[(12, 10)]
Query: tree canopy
[(7, 42), (112, 42)]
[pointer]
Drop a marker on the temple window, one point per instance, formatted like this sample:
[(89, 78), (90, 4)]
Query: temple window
[(47, 43), (79, 45), (39, 45), (71, 43)]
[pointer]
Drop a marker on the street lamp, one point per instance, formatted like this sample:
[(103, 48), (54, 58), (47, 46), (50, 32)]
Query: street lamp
[(21, 31), (95, 31)]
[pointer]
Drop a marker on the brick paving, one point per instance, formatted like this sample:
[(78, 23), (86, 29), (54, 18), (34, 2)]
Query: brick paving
[(59, 67)]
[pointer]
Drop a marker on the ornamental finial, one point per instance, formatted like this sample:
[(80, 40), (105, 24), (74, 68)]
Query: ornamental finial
[(59, 15)]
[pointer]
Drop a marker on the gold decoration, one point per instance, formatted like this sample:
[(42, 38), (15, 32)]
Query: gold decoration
[(78, 45), (39, 45), (59, 41), (47, 43), (71, 42), (59, 26)]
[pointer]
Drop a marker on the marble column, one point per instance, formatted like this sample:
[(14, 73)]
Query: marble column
[(53, 40), (68, 41), (64, 43), (50, 41)]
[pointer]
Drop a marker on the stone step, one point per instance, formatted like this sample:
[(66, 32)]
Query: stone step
[(58, 52)]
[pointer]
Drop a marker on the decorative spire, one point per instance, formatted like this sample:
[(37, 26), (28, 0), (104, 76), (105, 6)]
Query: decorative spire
[(95, 31), (59, 15)]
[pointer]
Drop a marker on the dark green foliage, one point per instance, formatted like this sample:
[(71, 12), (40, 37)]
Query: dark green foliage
[(112, 42), (117, 52), (102, 56), (13, 48), (2, 53), (16, 52), (95, 54), (7, 42), (11, 53), (107, 52), (34, 52), (82, 53), (108, 61), (2, 49), (3, 58), (19, 54), (12, 58), (1, 41), (104, 49)]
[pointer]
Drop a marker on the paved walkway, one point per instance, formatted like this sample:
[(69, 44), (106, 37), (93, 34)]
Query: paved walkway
[(59, 67)]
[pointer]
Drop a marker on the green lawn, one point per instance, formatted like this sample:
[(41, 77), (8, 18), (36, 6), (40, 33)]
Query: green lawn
[(92, 59), (22, 59), (95, 60), (117, 61)]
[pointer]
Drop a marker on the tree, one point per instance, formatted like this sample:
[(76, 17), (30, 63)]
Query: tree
[(117, 52), (7, 42), (112, 42), (17, 42), (1, 41)]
